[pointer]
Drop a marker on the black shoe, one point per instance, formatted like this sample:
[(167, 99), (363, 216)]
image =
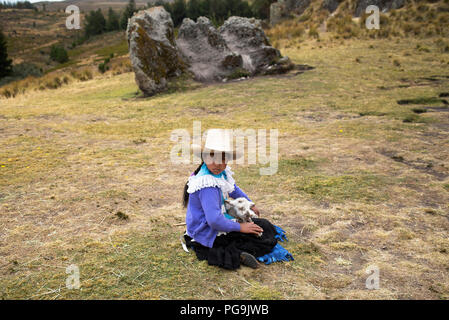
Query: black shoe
[(248, 260)]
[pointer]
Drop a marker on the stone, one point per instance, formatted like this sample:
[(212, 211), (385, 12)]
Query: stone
[(245, 37), (152, 49), (235, 51), (206, 51)]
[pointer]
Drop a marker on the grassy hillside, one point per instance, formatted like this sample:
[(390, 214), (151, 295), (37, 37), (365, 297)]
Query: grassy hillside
[(417, 19), (31, 33), (363, 178), (87, 5)]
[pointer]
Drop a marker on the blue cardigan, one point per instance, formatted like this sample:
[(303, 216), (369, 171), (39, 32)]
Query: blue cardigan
[(204, 217)]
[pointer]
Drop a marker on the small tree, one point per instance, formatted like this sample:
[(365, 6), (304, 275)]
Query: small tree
[(95, 23), (58, 54), (261, 8), (193, 9), (127, 13), (179, 10), (113, 20), (5, 62)]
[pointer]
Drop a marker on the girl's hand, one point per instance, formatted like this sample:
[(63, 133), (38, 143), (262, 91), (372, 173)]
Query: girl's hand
[(250, 227), (256, 211)]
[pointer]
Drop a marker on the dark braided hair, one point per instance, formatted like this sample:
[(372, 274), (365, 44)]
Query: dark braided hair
[(185, 197)]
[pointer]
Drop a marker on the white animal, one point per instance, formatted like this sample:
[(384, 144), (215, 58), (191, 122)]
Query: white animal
[(240, 209)]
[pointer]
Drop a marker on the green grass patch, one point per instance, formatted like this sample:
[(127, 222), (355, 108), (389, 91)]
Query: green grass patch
[(419, 110), (414, 118), (116, 49), (357, 187), (421, 100), (62, 66), (372, 113)]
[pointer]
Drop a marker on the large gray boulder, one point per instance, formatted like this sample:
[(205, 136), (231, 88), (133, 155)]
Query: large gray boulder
[(245, 37), (237, 49), (152, 49), (206, 51)]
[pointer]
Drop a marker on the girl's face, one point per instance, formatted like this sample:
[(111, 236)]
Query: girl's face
[(215, 163)]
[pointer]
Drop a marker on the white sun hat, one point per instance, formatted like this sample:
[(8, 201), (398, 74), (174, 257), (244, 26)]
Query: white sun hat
[(218, 140)]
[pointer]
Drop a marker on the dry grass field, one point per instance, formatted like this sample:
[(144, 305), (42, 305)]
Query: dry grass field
[(86, 179)]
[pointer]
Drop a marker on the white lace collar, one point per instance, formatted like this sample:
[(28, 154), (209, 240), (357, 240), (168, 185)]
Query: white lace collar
[(196, 183)]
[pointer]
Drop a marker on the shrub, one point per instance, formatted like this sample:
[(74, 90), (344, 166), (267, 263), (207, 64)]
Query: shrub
[(58, 54), (102, 67), (313, 32), (6, 93), (5, 62)]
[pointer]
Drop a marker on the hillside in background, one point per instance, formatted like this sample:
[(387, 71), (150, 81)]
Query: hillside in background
[(32, 33), (87, 5)]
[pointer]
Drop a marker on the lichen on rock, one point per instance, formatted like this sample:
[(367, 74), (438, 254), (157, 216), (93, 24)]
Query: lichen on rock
[(153, 52), (205, 50), (245, 37)]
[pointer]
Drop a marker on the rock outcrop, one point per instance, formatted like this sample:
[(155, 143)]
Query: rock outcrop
[(205, 50), (238, 48), (245, 37), (152, 49)]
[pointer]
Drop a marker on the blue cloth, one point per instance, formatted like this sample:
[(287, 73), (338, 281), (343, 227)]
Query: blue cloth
[(278, 253)]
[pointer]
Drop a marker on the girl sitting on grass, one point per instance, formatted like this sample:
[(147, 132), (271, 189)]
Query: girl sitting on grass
[(211, 232)]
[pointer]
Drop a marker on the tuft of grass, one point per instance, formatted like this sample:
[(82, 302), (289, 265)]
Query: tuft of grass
[(294, 165), (121, 216), (420, 100), (313, 32), (372, 113), (413, 118), (115, 50), (259, 291), (239, 73), (419, 110)]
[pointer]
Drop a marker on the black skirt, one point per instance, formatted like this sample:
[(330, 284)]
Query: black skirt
[(227, 248)]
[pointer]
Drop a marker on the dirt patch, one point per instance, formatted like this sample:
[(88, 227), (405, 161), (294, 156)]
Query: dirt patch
[(437, 170)]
